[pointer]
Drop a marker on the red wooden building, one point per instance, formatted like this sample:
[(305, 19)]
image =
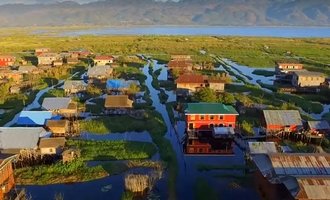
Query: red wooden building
[(282, 121), (210, 127), (6, 61)]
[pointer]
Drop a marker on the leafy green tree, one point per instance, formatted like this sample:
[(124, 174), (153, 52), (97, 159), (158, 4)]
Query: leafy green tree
[(206, 95), (93, 91), (227, 98), (133, 89), (247, 127)]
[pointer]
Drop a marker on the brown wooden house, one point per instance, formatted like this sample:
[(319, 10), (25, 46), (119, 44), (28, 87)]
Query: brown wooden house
[(58, 127), (52, 146), (118, 102)]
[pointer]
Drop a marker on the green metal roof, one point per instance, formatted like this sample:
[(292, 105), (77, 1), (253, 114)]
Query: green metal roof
[(210, 108)]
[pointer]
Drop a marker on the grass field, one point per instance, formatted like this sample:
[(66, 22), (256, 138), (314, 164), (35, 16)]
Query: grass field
[(250, 51)]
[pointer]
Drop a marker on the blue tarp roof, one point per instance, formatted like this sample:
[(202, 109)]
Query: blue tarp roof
[(120, 83), (34, 118)]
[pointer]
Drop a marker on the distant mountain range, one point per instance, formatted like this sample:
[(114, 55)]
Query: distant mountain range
[(162, 12)]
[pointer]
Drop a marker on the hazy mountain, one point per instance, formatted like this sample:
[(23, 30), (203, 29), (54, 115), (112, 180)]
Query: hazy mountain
[(162, 12)]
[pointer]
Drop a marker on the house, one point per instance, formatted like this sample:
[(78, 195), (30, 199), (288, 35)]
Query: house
[(28, 69), (14, 139), (210, 128), (61, 105), (203, 116), (319, 127), (262, 147), (6, 61), (99, 74), (181, 57), (118, 102), (103, 60), (7, 181), (13, 75), (74, 86), (194, 82), (287, 66), (47, 58), (15, 89), (276, 121), (52, 146), (57, 63), (306, 78), (303, 176), (72, 61), (39, 51), (79, 53), (70, 154), (120, 85), (179, 66), (58, 127), (34, 118)]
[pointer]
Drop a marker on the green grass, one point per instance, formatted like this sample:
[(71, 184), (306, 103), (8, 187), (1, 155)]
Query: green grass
[(154, 124), (248, 51), (113, 150), (52, 93), (299, 147), (203, 190), (263, 73), (76, 171), (96, 108)]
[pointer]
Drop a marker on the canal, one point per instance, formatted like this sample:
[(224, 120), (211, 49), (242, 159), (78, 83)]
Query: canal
[(223, 181)]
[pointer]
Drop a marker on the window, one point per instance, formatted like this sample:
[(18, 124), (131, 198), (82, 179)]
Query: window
[(192, 117), (202, 117), (200, 150), (230, 125), (220, 125), (51, 150), (191, 126), (211, 125), (212, 117), (221, 116)]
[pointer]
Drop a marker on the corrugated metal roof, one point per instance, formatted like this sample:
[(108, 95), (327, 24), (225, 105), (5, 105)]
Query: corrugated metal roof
[(262, 147), (210, 108), (314, 188), (33, 118), (20, 138), (74, 84), (52, 142), (56, 103), (118, 101), (57, 123), (282, 117), (319, 125), (301, 164), (99, 70)]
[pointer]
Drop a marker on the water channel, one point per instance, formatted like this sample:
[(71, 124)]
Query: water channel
[(220, 180)]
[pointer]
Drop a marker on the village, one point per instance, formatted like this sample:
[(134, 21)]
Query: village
[(165, 122)]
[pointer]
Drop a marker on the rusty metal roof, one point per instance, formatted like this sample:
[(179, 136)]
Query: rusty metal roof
[(312, 164), (314, 188), (282, 117)]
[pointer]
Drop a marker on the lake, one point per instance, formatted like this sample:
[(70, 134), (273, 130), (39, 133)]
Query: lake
[(290, 32)]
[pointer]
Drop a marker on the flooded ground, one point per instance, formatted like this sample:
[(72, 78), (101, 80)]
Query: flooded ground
[(112, 187)]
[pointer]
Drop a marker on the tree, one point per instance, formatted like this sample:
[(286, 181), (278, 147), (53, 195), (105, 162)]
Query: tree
[(93, 91), (247, 127), (227, 98), (205, 95), (133, 89)]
